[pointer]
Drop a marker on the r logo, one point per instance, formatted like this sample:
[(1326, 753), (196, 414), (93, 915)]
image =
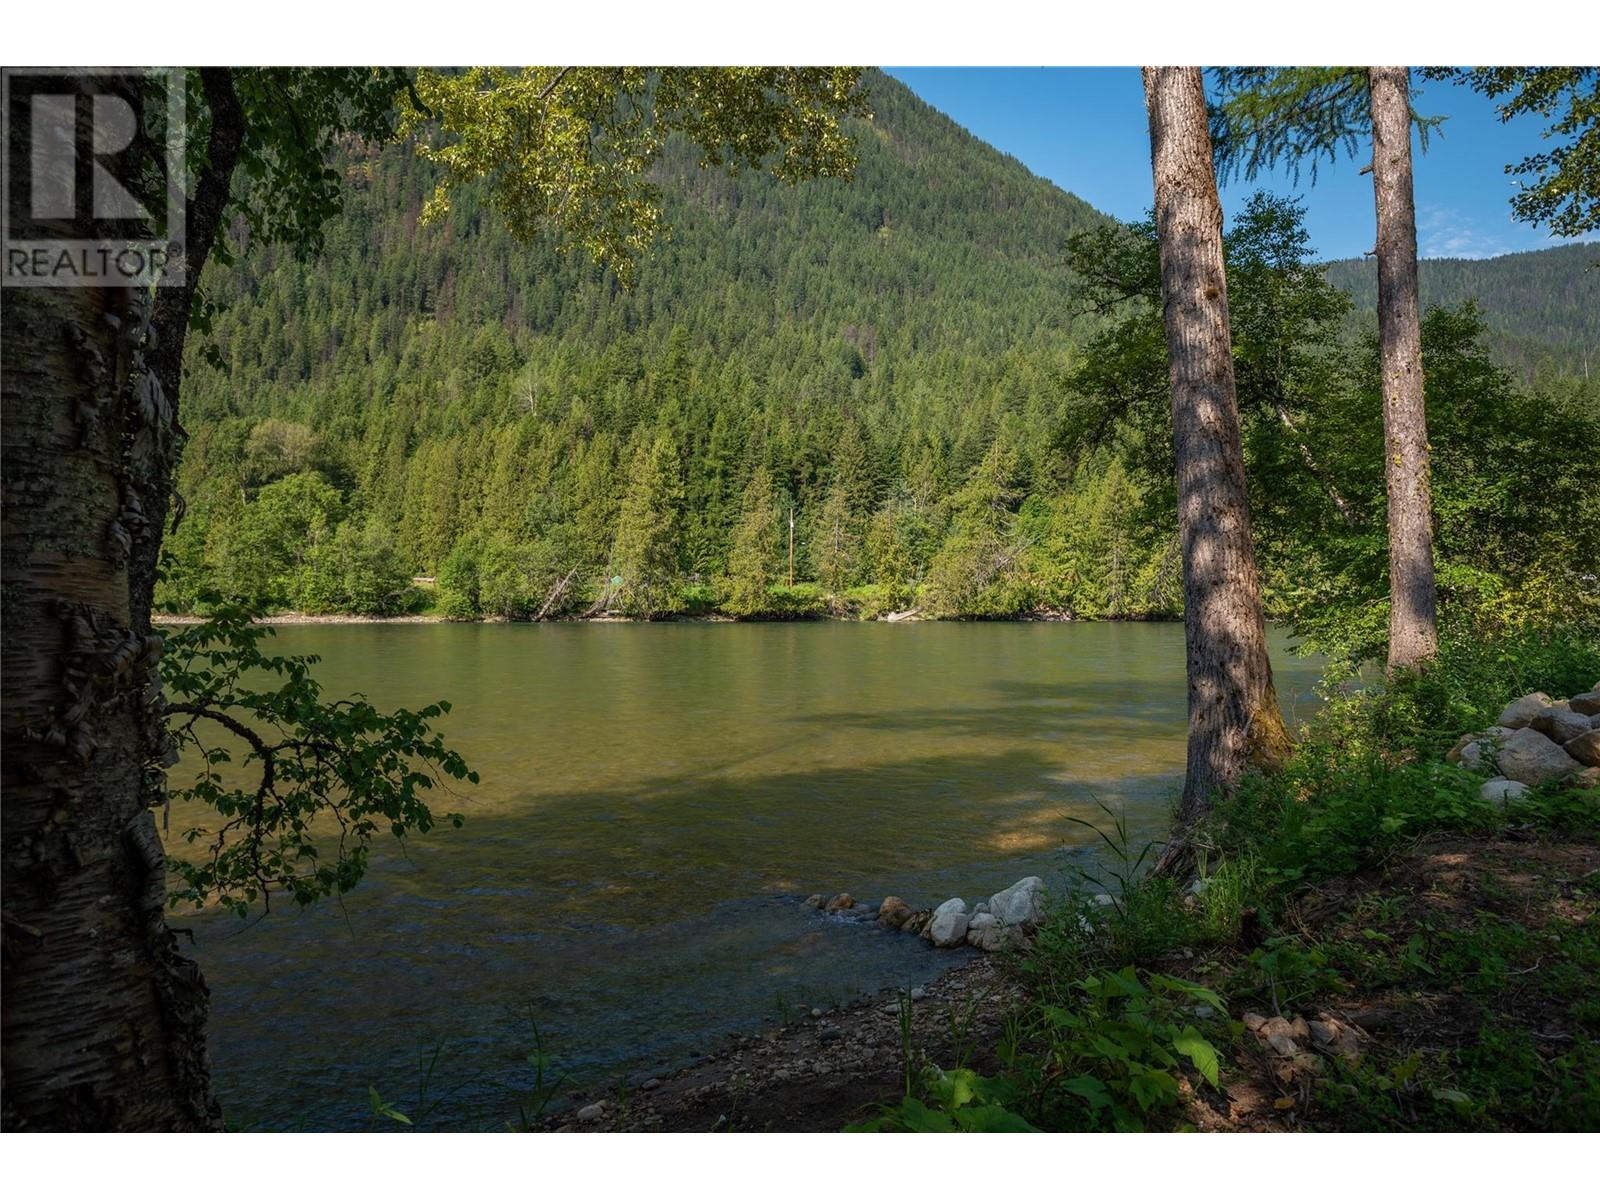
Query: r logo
[(93, 177)]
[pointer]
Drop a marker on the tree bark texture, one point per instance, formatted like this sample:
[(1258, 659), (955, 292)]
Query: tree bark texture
[(1234, 721), (103, 1018), (1413, 621), (170, 321)]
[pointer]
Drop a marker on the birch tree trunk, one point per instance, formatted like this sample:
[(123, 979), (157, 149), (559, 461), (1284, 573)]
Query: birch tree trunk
[(1234, 721), (1413, 620), (104, 1020)]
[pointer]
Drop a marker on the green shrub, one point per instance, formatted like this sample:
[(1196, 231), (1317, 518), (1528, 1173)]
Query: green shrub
[(1475, 675), (958, 1101), (1110, 1057)]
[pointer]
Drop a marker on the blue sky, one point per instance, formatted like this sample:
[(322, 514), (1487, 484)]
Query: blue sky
[(1084, 129)]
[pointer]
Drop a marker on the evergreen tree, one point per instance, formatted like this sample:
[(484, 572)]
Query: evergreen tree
[(1268, 114), (644, 556), (836, 540), (979, 568), (1234, 720), (755, 559)]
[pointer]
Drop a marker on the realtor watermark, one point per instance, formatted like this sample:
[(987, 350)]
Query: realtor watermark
[(92, 176)]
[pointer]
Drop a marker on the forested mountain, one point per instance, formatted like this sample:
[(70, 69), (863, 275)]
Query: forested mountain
[(913, 363), (446, 381), (1541, 308)]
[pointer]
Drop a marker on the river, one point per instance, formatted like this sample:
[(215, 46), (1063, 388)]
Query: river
[(655, 801)]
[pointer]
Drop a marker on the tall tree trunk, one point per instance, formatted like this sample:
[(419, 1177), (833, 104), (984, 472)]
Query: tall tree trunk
[(170, 320), (104, 1020), (1413, 621), (1234, 721)]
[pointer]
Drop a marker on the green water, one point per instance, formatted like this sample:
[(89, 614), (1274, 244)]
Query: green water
[(655, 800)]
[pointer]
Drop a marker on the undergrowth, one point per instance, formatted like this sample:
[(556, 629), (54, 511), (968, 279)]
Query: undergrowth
[(1128, 1017)]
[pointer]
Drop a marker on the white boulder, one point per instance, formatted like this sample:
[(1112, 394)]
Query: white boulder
[(1502, 791), (1475, 751), (983, 930), (1021, 905), (948, 926)]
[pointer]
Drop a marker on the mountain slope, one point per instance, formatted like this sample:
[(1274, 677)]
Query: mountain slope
[(878, 337), (1541, 308), (888, 359), (910, 249)]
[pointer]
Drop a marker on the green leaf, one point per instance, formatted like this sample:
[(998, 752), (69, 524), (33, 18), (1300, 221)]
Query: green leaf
[(917, 1117), (1090, 1088), (992, 1118), (956, 1088), (1191, 1044)]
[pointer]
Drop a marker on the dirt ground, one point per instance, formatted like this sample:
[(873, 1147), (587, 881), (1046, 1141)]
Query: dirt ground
[(819, 1073), (1397, 1008)]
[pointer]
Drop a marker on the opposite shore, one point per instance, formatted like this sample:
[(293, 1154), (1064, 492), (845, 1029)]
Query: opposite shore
[(912, 616)]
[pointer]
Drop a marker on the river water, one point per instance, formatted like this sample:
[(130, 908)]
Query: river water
[(656, 799)]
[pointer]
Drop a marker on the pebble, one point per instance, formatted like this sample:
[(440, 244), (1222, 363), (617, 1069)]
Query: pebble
[(828, 1033), (592, 1112), (919, 993), (650, 1085), (815, 1013)]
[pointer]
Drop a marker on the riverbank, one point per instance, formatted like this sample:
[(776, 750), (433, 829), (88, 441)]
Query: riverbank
[(706, 618), (1423, 994), (309, 619), (1381, 941), (819, 1071)]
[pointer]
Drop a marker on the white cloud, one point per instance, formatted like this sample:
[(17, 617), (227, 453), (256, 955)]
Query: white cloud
[(1449, 233)]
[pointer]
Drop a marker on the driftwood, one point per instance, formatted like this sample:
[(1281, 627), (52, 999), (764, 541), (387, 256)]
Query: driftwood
[(555, 595), (602, 602)]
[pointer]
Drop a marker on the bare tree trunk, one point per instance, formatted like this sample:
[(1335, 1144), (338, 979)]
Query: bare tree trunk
[(1413, 621), (555, 595), (104, 1020), (1234, 720)]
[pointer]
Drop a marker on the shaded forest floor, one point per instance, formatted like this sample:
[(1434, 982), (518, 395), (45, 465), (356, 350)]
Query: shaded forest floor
[(1450, 988), (1458, 980)]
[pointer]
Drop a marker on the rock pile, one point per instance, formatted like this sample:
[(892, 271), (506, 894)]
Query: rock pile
[(1536, 741), (1007, 918), (1295, 1042)]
